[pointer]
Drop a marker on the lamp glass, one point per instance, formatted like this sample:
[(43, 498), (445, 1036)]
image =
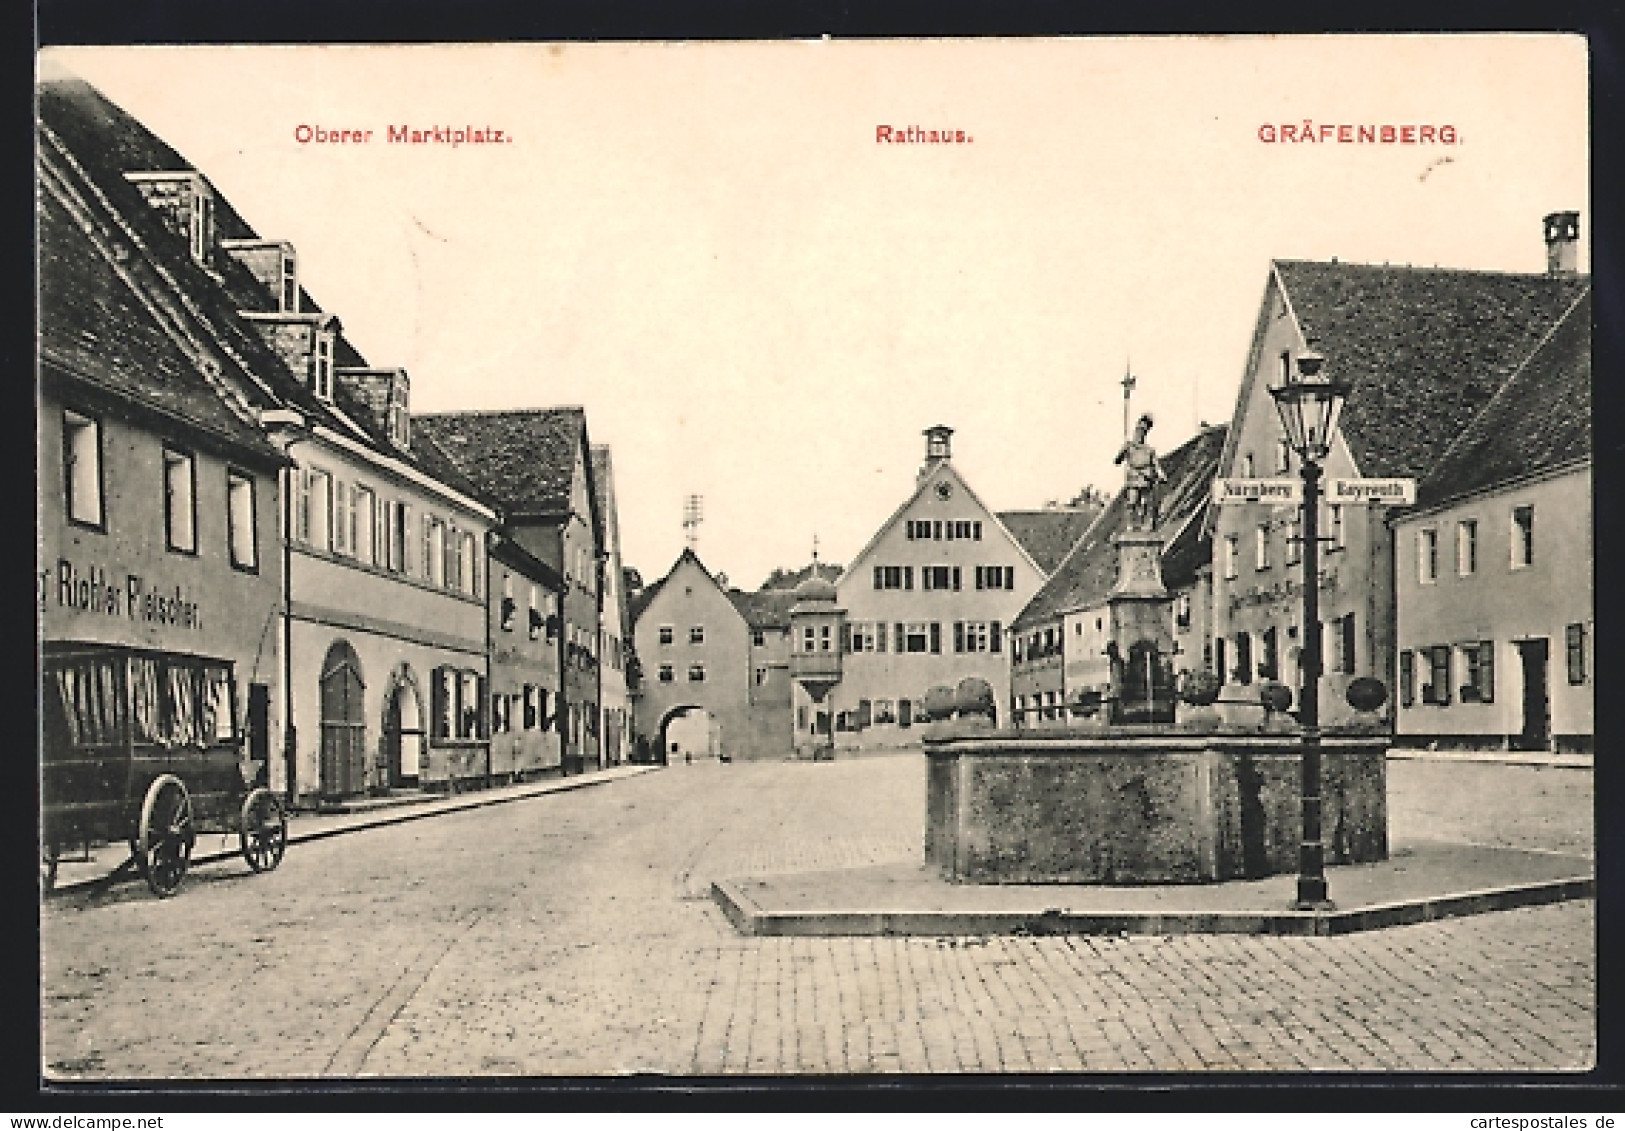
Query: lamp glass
[(1309, 408)]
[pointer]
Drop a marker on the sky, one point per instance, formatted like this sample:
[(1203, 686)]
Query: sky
[(756, 302)]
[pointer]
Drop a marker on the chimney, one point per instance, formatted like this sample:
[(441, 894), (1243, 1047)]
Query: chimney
[(185, 202), (1562, 243)]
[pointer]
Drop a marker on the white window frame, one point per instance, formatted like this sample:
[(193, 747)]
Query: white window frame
[(364, 528), (180, 500), (1523, 545), (1232, 556), (322, 380), (1261, 547), (1466, 547), (1427, 555), (242, 521), (83, 496)]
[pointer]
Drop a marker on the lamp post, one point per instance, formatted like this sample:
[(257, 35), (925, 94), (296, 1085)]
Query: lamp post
[(1309, 406)]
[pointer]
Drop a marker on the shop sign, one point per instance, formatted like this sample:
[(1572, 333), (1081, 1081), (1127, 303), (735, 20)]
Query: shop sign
[(97, 590)]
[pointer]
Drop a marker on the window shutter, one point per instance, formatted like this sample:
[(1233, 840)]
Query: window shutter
[(1009, 577), (1486, 672), (956, 579), (846, 638), (898, 638), (1407, 678), (406, 538), (959, 636), (995, 639), (878, 584), (437, 703), (484, 700), (936, 637), (1348, 643), (863, 713), (979, 577), (908, 577)]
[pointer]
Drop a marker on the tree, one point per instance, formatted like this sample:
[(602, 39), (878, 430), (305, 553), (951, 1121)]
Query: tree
[(790, 578)]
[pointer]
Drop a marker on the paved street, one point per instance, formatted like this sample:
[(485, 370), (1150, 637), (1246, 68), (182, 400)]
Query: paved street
[(573, 934)]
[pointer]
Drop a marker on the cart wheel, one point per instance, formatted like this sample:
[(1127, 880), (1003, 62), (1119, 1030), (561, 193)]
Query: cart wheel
[(263, 832), (164, 844)]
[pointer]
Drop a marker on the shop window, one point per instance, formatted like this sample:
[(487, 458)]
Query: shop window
[(180, 501), (82, 467), (1574, 639), (241, 529)]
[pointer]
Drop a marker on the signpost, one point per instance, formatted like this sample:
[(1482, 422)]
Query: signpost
[(1289, 492)]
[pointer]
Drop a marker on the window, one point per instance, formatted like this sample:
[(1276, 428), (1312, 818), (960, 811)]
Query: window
[(666, 633), (914, 637), (202, 223), (343, 520), (939, 577), (905, 712), (1182, 613), (809, 639), (532, 712), (398, 422), (1345, 657), (82, 467), (1478, 674), (363, 539), (1269, 661), (696, 635), (665, 674), (758, 638), (180, 502), (967, 531), (1244, 658), (1334, 525), (395, 517), (434, 550), (1218, 659), (894, 577), (824, 638), (761, 676), (995, 577), (1247, 469), (1523, 537), (1261, 547), (1407, 678), (473, 566), (290, 284), (1232, 555), (1283, 456), (1466, 547), (972, 636), (696, 673), (458, 704), (510, 607), (1427, 555), (1574, 639), (240, 525), (324, 366), (1286, 362), (1294, 540), (1437, 690)]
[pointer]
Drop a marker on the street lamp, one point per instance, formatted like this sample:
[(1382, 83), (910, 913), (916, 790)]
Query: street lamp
[(1309, 406)]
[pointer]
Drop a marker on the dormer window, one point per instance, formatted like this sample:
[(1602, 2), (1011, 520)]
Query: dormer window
[(202, 222), (398, 421), (323, 376), (290, 284)]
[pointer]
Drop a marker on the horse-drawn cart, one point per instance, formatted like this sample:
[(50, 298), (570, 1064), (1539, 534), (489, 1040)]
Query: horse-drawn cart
[(145, 748)]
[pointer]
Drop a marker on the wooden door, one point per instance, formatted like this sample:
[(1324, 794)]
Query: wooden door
[(344, 724)]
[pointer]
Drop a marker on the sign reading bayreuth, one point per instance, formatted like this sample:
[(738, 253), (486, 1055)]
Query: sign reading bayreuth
[(1393, 492)]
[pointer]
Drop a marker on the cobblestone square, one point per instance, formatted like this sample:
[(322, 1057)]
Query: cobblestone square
[(573, 934)]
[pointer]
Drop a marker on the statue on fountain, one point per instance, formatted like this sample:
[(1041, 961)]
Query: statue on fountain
[(1142, 475)]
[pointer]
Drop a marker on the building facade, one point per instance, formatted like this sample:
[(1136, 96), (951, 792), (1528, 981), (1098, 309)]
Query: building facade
[(615, 627), (928, 602), (695, 648), (159, 581), (1496, 612), (1424, 350), (526, 672), (535, 467)]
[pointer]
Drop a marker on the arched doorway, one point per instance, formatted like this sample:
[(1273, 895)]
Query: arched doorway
[(404, 734), (343, 770), (688, 734)]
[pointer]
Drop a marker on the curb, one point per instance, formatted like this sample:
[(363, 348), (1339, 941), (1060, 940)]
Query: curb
[(396, 815), (749, 918)]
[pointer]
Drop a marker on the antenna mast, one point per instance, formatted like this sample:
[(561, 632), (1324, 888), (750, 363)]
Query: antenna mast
[(692, 517)]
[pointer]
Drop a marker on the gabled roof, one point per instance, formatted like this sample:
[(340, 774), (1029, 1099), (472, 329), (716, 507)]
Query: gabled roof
[(102, 143), (1049, 534), (1089, 572), (922, 481), (765, 608), (1538, 420), (1425, 348), (523, 459), (94, 327), (646, 598)]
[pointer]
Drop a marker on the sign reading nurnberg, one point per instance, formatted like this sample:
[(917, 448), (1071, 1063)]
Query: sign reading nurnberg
[(94, 590)]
